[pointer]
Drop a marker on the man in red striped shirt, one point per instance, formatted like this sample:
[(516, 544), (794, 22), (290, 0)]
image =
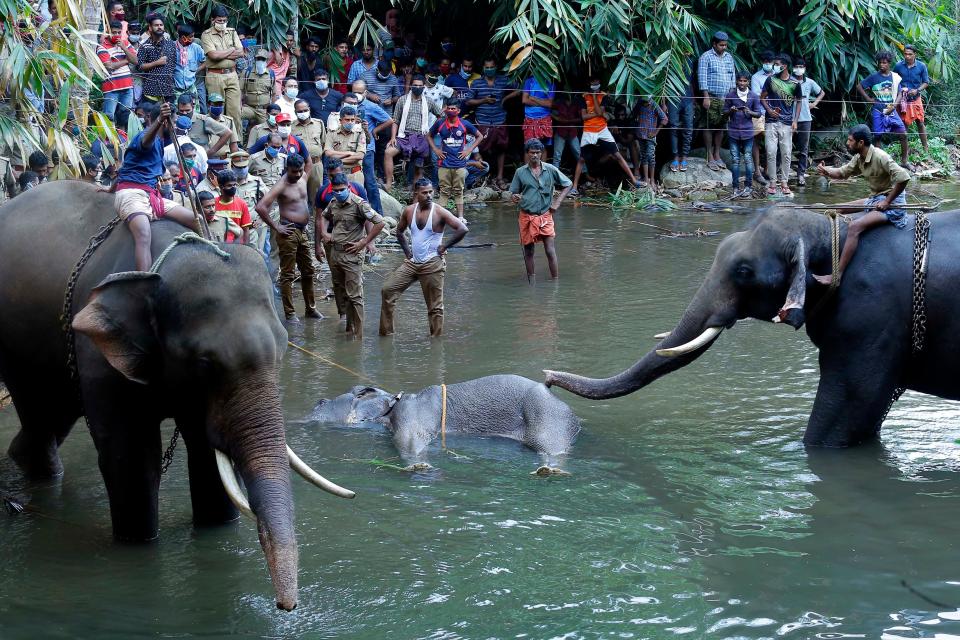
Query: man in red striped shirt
[(117, 55)]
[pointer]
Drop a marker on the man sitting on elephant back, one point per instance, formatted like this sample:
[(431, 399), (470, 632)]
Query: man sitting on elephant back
[(887, 181), (137, 200)]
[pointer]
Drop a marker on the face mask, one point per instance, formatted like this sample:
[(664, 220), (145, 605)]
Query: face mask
[(490, 72), (241, 172), (230, 191), (248, 42), (432, 80), (360, 99), (421, 62), (272, 151), (219, 26), (321, 85), (190, 162), (260, 66), (768, 67), (799, 71), (347, 126), (166, 191), (134, 39), (447, 47), (119, 16), (291, 93), (303, 116), (284, 131), (777, 68), (464, 74), (452, 115), (272, 120), (189, 114), (417, 91), (342, 196), (216, 112), (381, 77), (185, 41), (444, 69), (142, 120), (595, 87), (114, 39)]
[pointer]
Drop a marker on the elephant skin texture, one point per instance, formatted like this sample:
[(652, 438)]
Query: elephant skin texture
[(505, 406), (863, 330), (199, 341)]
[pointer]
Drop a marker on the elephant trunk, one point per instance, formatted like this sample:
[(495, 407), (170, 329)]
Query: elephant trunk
[(250, 425), (707, 315)]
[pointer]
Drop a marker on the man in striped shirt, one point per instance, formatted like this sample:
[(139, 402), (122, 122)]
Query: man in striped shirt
[(117, 55)]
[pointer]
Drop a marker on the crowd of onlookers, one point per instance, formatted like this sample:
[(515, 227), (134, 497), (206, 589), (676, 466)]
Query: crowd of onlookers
[(375, 108)]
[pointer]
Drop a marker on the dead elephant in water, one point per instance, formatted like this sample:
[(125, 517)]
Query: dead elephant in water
[(507, 406)]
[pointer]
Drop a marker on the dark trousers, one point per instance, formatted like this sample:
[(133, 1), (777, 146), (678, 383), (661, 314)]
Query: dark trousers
[(803, 146)]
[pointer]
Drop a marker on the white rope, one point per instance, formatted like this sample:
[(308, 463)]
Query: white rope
[(187, 236)]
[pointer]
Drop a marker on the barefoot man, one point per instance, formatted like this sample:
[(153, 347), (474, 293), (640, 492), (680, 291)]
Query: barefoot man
[(425, 262), (887, 181), (533, 187), (290, 192)]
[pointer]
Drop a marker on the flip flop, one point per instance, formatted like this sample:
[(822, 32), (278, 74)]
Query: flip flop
[(674, 166), (712, 165), (683, 165), (720, 164)]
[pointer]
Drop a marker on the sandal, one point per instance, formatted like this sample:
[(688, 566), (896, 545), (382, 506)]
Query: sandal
[(720, 164), (771, 190), (675, 166), (785, 190), (683, 165), (712, 165), (574, 193)]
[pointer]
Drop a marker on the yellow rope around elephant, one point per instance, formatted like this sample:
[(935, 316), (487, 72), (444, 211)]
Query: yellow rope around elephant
[(332, 363)]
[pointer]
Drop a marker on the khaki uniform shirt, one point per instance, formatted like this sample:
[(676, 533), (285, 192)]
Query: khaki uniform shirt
[(213, 40), (348, 219), (251, 192), (206, 185), (313, 133), (340, 140), (879, 170), (257, 90), (268, 170), (257, 131), (206, 131)]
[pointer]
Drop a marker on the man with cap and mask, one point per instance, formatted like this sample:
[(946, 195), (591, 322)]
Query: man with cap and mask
[(216, 111), (348, 144), (251, 190), (210, 182), (204, 130), (270, 162), (292, 144), (257, 90), (223, 48), (268, 126), (533, 189), (182, 127)]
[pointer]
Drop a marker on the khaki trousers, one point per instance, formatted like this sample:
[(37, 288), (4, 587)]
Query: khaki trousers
[(346, 272), (227, 85), (451, 185), (338, 294), (295, 253), (430, 274)]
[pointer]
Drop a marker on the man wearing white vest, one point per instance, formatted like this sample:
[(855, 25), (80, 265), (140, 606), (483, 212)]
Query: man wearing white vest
[(425, 257), (411, 126)]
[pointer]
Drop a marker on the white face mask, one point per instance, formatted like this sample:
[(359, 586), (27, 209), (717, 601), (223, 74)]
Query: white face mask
[(777, 68), (220, 26), (321, 85), (260, 66), (799, 71), (284, 131), (291, 93), (768, 67), (303, 116), (594, 87)]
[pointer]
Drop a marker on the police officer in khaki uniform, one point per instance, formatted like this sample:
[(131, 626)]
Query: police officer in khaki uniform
[(223, 48), (269, 163), (348, 213), (209, 182), (348, 144), (204, 130), (251, 190), (257, 90), (215, 104)]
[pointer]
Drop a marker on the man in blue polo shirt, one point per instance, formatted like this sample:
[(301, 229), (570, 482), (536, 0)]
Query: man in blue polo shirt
[(488, 94), (453, 152)]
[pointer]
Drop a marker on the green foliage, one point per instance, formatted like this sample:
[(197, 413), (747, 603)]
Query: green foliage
[(938, 152), (638, 199)]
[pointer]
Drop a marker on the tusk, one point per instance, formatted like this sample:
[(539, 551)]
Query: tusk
[(704, 338), (661, 336), (230, 484), (315, 478)]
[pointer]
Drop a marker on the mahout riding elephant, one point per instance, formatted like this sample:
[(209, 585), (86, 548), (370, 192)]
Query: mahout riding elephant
[(198, 341), (505, 406), (863, 330)]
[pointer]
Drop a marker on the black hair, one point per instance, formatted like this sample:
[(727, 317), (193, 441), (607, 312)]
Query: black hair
[(152, 17), (314, 40), (418, 76), (26, 178), (185, 29), (321, 72), (273, 106), (116, 24), (490, 59), (272, 135), (799, 62), (785, 59), (340, 178), (332, 163), (219, 11), (884, 55), (90, 161), (767, 56), (205, 195), (348, 110), (862, 133), (151, 110), (185, 98), (288, 79), (454, 102), (225, 176), (912, 47), (187, 147), (298, 101), (294, 161), (743, 74), (38, 159), (111, 5), (171, 164), (421, 183)]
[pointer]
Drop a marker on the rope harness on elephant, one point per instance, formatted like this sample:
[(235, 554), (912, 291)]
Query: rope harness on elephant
[(835, 217), (66, 315)]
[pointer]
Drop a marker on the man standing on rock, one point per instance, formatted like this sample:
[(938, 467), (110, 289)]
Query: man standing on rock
[(425, 262), (716, 75), (533, 188)]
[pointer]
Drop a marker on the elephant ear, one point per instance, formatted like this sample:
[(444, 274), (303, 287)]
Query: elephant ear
[(119, 320), (792, 310)]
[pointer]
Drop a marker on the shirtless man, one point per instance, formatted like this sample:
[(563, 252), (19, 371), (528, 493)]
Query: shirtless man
[(290, 193), (425, 262)]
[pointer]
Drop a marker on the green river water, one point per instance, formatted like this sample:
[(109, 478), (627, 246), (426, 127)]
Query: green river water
[(693, 509)]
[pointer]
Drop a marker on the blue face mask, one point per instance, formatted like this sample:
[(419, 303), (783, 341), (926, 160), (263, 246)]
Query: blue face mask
[(342, 196), (249, 42), (464, 74), (272, 151), (216, 112)]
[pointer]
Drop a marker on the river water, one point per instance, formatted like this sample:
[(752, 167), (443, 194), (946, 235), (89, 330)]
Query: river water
[(692, 511)]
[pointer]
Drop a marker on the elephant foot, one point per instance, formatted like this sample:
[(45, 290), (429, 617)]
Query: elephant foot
[(37, 458), (418, 466), (545, 472)]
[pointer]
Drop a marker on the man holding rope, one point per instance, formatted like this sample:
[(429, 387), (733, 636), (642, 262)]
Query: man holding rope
[(887, 181), (137, 200)]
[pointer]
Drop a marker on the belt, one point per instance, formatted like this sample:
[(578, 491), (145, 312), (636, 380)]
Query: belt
[(356, 169), (340, 246), (220, 70), (298, 225)]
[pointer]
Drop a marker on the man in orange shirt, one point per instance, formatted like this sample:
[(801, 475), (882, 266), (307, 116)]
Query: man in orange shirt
[(232, 208), (597, 144)]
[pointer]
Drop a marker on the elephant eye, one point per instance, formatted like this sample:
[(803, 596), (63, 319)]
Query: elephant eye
[(744, 271)]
